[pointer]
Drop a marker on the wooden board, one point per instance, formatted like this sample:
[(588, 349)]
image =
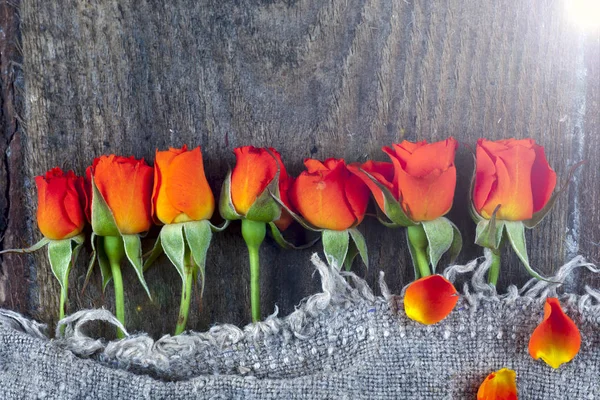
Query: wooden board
[(310, 78)]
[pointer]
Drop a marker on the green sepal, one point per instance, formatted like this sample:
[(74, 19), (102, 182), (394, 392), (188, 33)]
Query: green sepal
[(283, 243), (360, 244), (133, 250), (350, 256), (477, 218), (489, 232), (98, 254), (62, 255), (335, 246), (221, 228), (103, 220), (305, 224), (226, 208), (393, 209), (198, 235), (264, 208), (153, 255), (44, 241), (173, 244), (440, 236), (384, 220), (515, 231)]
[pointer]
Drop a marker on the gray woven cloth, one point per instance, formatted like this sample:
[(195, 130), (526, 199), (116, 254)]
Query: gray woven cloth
[(343, 343)]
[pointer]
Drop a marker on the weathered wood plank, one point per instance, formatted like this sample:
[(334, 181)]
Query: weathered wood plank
[(313, 79)]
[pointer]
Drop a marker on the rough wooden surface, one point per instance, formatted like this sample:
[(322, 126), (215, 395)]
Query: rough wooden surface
[(311, 78)]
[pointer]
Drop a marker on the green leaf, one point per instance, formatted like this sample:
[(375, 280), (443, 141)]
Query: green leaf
[(283, 243), (156, 252), (393, 208), (305, 224), (226, 208), (60, 253), (103, 220), (221, 228), (457, 243), (440, 236), (173, 244), (264, 208), (360, 244), (515, 231), (198, 235), (335, 247), (133, 250), (413, 251), (44, 241)]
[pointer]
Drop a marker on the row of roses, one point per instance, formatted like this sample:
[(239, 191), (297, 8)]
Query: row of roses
[(122, 197)]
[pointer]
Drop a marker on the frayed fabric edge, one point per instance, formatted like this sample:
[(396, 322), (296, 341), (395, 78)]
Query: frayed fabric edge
[(336, 291)]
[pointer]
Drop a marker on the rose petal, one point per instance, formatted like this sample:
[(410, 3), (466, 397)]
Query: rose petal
[(543, 179), (382, 171), (430, 299), (556, 340), (499, 385)]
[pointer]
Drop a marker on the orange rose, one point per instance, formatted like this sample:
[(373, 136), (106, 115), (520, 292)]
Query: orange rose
[(126, 185), (513, 174), (422, 175), (329, 196), (499, 385), (181, 192), (430, 299), (61, 204), (556, 340), (255, 168)]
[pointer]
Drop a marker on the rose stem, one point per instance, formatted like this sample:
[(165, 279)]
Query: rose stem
[(254, 233), (63, 299), (186, 293), (494, 271), (115, 251), (418, 240)]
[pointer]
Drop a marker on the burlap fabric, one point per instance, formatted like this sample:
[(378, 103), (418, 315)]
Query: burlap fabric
[(343, 343)]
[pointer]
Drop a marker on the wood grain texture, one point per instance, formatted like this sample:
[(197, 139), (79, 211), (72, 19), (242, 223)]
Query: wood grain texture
[(312, 79)]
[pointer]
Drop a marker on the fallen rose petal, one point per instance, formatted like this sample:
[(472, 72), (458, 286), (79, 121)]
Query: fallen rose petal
[(499, 385), (430, 299), (556, 340)]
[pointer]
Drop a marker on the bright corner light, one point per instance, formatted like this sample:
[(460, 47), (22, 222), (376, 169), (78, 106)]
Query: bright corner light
[(584, 13)]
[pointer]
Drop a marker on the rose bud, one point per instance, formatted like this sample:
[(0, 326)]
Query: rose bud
[(328, 196), (421, 174), (556, 340), (181, 192), (430, 299), (126, 186), (254, 170), (61, 204), (513, 174)]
